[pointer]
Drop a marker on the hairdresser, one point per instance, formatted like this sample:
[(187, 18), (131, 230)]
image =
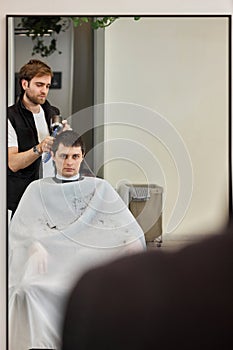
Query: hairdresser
[(29, 130)]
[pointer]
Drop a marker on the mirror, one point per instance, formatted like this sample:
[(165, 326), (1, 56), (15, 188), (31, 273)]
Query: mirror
[(152, 98)]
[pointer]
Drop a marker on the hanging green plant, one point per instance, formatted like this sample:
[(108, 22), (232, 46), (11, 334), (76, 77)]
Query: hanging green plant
[(39, 27), (97, 22)]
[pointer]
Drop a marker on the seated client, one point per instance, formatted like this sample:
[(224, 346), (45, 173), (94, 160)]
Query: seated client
[(62, 227)]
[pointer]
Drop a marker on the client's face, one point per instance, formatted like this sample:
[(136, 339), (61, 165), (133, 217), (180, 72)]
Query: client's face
[(68, 160)]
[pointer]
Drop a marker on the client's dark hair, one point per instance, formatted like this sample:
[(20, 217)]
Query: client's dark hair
[(68, 138)]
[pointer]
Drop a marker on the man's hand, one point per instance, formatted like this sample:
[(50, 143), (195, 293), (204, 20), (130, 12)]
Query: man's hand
[(66, 126), (46, 144)]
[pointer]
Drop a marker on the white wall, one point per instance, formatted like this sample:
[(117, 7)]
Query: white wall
[(72, 7), (177, 67)]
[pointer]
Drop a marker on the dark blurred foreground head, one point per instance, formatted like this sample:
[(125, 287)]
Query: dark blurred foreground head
[(156, 300)]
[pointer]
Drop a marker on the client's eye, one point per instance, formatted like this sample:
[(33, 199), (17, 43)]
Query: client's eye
[(63, 156), (76, 156)]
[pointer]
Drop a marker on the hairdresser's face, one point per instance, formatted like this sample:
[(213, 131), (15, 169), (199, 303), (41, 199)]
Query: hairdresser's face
[(68, 160), (36, 90)]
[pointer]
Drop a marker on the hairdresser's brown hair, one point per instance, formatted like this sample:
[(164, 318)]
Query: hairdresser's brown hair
[(31, 69)]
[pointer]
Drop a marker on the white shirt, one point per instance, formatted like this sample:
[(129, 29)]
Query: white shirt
[(41, 125), (72, 178)]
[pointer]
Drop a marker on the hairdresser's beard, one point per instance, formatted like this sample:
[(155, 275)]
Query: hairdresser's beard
[(36, 100)]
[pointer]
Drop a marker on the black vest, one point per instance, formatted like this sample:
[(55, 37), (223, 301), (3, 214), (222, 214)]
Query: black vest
[(22, 121)]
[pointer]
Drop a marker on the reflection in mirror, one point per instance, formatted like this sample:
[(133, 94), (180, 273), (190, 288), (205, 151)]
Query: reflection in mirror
[(65, 92), (152, 109)]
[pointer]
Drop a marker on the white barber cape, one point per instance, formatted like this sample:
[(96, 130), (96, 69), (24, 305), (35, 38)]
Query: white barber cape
[(57, 233)]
